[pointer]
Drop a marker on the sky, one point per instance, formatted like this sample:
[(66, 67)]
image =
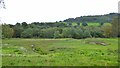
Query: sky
[(53, 10)]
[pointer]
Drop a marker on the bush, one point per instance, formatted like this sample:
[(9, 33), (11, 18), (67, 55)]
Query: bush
[(84, 24), (107, 30)]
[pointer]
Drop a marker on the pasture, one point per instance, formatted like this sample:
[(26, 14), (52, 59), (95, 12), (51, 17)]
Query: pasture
[(91, 24), (60, 52)]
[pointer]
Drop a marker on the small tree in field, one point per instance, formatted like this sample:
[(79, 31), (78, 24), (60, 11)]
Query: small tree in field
[(101, 23), (78, 23), (84, 24), (107, 30)]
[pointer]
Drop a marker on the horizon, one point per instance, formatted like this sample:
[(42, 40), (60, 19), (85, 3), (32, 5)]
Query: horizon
[(52, 11)]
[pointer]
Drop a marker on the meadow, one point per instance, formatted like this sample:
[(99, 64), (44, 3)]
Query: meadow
[(91, 23), (60, 52)]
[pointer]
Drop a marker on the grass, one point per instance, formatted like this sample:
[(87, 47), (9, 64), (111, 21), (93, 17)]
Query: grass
[(60, 52)]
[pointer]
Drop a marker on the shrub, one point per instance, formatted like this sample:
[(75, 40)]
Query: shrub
[(107, 30)]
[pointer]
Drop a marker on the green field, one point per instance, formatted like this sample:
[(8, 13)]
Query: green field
[(60, 52), (91, 24)]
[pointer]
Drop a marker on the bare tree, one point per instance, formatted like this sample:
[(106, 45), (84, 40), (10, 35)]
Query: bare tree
[(2, 4)]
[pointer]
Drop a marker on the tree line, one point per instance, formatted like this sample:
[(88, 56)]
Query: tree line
[(95, 18), (60, 30)]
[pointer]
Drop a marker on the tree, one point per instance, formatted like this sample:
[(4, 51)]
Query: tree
[(0, 31), (24, 25), (18, 29), (86, 34), (2, 4), (107, 30), (68, 32), (78, 23), (69, 24), (78, 33), (48, 33), (17, 24), (95, 31), (36, 32), (101, 23), (84, 24), (7, 32), (57, 34), (27, 33), (116, 27)]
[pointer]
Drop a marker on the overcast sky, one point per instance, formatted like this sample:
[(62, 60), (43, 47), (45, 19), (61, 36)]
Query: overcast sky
[(54, 10)]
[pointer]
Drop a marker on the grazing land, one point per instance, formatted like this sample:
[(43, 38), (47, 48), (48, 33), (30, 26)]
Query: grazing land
[(80, 41), (60, 52)]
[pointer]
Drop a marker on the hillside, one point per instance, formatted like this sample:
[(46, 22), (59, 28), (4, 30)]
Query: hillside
[(95, 18)]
